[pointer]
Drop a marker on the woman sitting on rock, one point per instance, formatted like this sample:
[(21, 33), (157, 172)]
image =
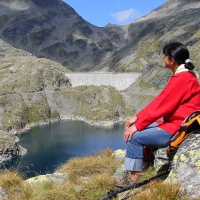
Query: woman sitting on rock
[(179, 98)]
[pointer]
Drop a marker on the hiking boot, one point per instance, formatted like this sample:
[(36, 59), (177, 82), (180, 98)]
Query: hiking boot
[(124, 181)]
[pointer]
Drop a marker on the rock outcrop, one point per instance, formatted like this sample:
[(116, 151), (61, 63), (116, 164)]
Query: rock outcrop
[(55, 177), (10, 150), (186, 167)]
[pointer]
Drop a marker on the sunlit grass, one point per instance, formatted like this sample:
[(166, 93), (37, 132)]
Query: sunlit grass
[(86, 166), (89, 178), (158, 190)]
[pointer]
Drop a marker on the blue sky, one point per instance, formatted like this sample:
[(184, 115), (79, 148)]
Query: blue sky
[(120, 12)]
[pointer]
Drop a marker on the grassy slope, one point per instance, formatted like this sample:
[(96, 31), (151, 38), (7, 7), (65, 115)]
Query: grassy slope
[(89, 178)]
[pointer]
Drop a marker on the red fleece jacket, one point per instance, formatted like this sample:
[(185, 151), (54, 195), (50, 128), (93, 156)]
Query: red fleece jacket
[(179, 98)]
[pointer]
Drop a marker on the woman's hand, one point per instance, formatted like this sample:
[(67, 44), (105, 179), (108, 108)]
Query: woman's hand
[(130, 122), (129, 132)]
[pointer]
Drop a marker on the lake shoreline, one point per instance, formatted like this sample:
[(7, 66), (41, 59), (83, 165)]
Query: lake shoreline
[(90, 122), (18, 133)]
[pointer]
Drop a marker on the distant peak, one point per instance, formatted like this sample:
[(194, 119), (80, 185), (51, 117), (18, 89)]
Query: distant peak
[(111, 25)]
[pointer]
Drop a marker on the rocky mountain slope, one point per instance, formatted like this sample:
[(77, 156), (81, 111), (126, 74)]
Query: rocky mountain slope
[(176, 20), (53, 30)]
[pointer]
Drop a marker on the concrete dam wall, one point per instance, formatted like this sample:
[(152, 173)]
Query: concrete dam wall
[(118, 80)]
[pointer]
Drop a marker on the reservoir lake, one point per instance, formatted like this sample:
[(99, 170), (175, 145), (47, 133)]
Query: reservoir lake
[(51, 145)]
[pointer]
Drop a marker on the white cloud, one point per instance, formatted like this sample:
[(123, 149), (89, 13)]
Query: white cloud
[(126, 15)]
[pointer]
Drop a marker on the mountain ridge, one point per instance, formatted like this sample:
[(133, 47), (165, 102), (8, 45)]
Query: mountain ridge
[(52, 29), (41, 30)]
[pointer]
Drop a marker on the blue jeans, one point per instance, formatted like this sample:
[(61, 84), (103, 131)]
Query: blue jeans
[(152, 136)]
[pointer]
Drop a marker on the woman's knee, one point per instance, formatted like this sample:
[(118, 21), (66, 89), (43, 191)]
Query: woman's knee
[(136, 139), (133, 146)]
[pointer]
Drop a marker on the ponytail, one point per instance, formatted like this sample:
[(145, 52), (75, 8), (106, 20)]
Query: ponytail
[(188, 64)]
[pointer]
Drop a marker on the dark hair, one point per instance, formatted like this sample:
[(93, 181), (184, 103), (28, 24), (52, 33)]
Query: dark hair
[(179, 53)]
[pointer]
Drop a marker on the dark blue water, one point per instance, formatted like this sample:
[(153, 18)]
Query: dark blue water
[(51, 145)]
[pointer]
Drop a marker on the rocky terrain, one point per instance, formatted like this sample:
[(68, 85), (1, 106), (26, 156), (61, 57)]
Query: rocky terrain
[(52, 29), (40, 41)]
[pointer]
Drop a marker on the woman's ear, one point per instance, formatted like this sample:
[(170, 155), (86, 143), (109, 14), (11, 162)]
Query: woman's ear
[(173, 62)]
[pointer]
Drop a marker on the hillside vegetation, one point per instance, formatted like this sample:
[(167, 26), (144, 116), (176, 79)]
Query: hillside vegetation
[(84, 178)]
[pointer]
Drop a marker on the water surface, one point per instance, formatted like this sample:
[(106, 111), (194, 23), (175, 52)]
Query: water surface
[(51, 145)]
